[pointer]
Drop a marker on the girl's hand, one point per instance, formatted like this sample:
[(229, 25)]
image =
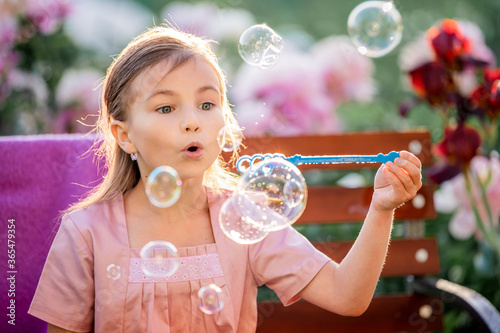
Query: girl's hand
[(396, 183)]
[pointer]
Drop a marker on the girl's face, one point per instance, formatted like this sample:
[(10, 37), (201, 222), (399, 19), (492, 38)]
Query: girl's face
[(175, 117)]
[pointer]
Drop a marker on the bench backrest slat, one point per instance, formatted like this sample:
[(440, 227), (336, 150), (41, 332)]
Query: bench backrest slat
[(338, 204), (405, 256)]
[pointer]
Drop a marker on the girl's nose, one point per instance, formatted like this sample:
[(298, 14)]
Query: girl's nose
[(191, 122)]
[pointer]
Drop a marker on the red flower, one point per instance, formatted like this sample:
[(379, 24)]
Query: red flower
[(432, 82), (449, 43), (442, 171), (459, 145), (487, 96)]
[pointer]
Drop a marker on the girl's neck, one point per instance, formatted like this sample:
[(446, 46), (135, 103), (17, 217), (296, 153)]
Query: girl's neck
[(193, 199), (186, 223)]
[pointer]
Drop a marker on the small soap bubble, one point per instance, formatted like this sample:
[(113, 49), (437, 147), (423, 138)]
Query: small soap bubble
[(283, 187), (375, 27), (159, 259), (230, 137), (163, 187), (210, 299), (239, 219), (114, 272), (260, 46)]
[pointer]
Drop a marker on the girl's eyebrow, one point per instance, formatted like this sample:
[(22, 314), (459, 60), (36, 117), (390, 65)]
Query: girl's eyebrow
[(173, 93), (208, 87)]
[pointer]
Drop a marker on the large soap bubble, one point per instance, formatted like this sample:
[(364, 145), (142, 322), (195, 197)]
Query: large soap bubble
[(375, 27), (282, 189), (163, 187), (159, 259), (239, 219), (260, 46)]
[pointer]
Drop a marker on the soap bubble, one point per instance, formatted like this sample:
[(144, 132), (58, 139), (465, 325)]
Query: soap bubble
[(230, 137), (260, 46), (163, 187), (257, 207), (375, 27), (283, 187), (237, 219), (114, 272), (159, 259), (210, 299)]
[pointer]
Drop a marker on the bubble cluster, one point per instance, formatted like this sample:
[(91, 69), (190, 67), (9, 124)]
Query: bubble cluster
[(283, 187), (260, 46), (270, 196), (230, 137), (159, 259), (210, 299), (375, 28), (114, 272), (163, 187)]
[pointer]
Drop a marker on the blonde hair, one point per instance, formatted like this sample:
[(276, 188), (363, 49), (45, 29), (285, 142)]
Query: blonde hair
[(151, 47)]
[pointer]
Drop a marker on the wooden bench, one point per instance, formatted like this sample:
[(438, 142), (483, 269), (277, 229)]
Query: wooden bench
[(412, 256), (40, 177)]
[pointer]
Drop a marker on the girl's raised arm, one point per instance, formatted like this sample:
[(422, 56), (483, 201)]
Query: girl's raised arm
[(347, 288)]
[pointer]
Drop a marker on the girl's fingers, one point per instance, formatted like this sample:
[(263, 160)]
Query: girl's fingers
[(411, 157), (410, 169), (395, 177), (399, 193), (407, 174)]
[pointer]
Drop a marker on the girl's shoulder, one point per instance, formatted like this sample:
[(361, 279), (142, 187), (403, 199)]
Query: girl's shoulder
[(216, 194), (101, 213)]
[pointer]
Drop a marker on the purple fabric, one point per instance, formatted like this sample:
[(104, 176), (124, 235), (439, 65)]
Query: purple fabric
[(40, 176)]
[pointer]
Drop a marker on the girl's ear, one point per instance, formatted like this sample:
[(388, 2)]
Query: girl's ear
[(119, 129)]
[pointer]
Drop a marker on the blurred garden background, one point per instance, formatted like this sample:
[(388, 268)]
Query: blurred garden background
[(53, 54)]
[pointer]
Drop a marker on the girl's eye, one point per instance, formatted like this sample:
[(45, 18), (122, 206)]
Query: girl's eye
[(164, 109), (206, 106)]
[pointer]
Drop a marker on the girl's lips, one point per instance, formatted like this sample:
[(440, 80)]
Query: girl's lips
[(193, 154)]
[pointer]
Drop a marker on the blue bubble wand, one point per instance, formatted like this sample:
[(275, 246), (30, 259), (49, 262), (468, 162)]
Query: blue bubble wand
[(326, 159)]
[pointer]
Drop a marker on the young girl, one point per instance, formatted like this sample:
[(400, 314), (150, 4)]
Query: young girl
[(164, 102)]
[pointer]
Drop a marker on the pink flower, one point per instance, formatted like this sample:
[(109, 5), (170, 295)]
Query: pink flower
[(8, 30), (222, 23), (47, 15), (8, 57), (29, 82), (466, 80), (78, 97), (487, 170), (415, 54), (8, 61), (106, 26), (289, 98), (192, 17), (479, 50), (348, 75)]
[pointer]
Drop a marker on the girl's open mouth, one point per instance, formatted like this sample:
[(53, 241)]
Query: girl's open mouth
[(193, 152)]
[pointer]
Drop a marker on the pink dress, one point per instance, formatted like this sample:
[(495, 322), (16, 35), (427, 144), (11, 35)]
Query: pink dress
[(75, 292)]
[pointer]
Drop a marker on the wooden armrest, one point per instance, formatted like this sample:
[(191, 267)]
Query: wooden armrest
[(471, 301)]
